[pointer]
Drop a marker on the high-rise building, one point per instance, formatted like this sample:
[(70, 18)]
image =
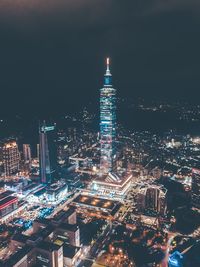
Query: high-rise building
[(47, 153), (107, 123), (38, 151), (196, 188), (110, 181), (10, 157), (27, 152), (152, 199)]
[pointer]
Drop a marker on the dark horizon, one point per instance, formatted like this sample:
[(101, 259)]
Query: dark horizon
[(52, 55)]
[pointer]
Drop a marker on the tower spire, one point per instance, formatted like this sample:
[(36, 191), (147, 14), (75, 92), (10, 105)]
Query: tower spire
[(108, 75), (108, 63), (108, 66)]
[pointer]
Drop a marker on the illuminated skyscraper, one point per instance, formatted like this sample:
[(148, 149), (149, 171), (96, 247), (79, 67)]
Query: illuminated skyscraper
[(27, 152), (47, 166), (11, 158), (107, 123), (38, 151)]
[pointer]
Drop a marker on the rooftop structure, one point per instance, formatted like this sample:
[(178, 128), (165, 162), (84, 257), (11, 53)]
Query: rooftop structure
[(96, 203), (112, 185)]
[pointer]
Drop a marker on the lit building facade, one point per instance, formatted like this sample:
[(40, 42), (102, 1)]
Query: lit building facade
[(107, 123), (152, 199), (47, 154), (8, 203), (27, 152), (56, 192), (11, 158), (113, 186)]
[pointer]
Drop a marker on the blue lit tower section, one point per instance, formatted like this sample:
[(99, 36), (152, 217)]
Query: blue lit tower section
[(107, 123), (45, 166)]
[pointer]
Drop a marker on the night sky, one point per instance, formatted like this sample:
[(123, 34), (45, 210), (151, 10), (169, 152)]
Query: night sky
[(52, 52)]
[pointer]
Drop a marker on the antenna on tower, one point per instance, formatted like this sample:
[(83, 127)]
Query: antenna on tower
[(108, 63), (108, 66)]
